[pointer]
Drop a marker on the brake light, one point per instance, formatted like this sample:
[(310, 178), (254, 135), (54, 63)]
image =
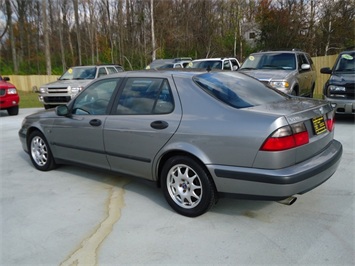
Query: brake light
[(286, 137), (330, 123)]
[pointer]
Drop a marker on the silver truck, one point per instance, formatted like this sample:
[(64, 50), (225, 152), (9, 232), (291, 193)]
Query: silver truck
[(291, 72), (71, 83)]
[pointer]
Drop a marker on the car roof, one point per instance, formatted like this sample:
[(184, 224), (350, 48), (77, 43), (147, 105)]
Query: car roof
[(213, 59), (348, 51), (280, 51), (90, 66), (158, 73)]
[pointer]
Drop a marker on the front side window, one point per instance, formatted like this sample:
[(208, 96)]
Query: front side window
[(142, 96), (102, 72), (226, 65), (302, 60), (95, 99)]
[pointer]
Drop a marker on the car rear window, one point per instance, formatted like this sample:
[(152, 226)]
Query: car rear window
[(238, 90)]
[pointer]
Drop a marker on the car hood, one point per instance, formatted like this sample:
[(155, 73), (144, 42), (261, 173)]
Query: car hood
[(66, 83), (342, 78), (268, 74), (6, 85), (295, 109)]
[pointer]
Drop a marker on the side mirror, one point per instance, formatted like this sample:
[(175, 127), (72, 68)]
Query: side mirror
[(62, 110), (305, 67), (6, 78), (325, 70)]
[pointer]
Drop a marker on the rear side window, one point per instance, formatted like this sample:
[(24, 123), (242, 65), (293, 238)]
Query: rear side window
[(143, 96), (238, 90)]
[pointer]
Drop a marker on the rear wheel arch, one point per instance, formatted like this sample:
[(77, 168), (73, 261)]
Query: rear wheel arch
[(174, 153), (187, 184)]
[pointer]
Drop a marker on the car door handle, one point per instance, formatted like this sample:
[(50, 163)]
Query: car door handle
[(159, 124), (95, 122)]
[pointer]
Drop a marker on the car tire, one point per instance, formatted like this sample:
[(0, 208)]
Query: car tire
[(39, 151), (47, 106), (187, 186), (13, 110)]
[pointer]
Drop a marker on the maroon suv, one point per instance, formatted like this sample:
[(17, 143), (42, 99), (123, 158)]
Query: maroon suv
[(9, 98)]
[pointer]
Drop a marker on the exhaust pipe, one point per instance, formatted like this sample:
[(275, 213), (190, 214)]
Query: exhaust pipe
[(288, 201)]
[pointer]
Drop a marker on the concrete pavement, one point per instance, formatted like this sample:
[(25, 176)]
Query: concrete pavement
[(77, 216)]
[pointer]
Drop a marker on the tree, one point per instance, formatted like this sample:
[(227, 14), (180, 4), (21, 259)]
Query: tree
[(46, 39)]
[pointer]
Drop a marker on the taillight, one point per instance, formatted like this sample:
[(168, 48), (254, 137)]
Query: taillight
[(286, 137), (330, 121)]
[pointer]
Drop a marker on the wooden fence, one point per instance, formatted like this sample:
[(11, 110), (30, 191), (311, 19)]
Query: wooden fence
[(28, 83), (319, 62)]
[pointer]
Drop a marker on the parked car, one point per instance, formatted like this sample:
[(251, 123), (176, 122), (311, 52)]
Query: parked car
[(181, 62), (340, 87), (9, 98), (223, 63), (292, 72), (198, 135), (71, 83)]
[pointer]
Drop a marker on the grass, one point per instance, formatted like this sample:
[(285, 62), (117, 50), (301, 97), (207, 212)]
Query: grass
[(29, 99)]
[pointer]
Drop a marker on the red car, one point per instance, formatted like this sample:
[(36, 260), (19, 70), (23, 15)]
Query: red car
[(9, 98)]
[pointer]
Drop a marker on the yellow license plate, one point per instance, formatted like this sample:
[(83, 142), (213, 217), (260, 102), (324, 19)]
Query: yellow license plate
[(319, 125)]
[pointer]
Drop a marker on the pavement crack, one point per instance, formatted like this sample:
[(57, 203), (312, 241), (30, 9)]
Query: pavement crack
[(87, 253)]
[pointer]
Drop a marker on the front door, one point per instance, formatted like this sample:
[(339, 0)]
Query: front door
[(79, 137)]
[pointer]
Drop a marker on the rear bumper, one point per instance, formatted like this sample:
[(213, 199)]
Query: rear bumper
[(281, 183), (342, 106)]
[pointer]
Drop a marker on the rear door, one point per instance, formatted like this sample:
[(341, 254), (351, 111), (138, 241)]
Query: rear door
[(144, 117)]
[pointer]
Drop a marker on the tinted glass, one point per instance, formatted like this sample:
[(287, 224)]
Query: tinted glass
[(346, 63), (238, 90), (95, 99), (111, 70), (102, 72), (271, 61), (226, 65), (79, 73), (207, 64), (143, 96)]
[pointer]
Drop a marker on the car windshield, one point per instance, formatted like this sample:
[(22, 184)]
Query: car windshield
[(286, 61), (238, 90), (212, 64), (79, 73), (346, 62)]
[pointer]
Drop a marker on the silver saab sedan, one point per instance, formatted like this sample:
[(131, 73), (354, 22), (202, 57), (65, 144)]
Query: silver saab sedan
[(198, 135)]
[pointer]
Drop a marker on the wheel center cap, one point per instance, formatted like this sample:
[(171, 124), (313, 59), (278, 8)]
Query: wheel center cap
[(184, 185)]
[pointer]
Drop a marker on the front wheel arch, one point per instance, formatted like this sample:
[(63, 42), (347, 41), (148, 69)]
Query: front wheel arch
[(39, 151), (295, 91)]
